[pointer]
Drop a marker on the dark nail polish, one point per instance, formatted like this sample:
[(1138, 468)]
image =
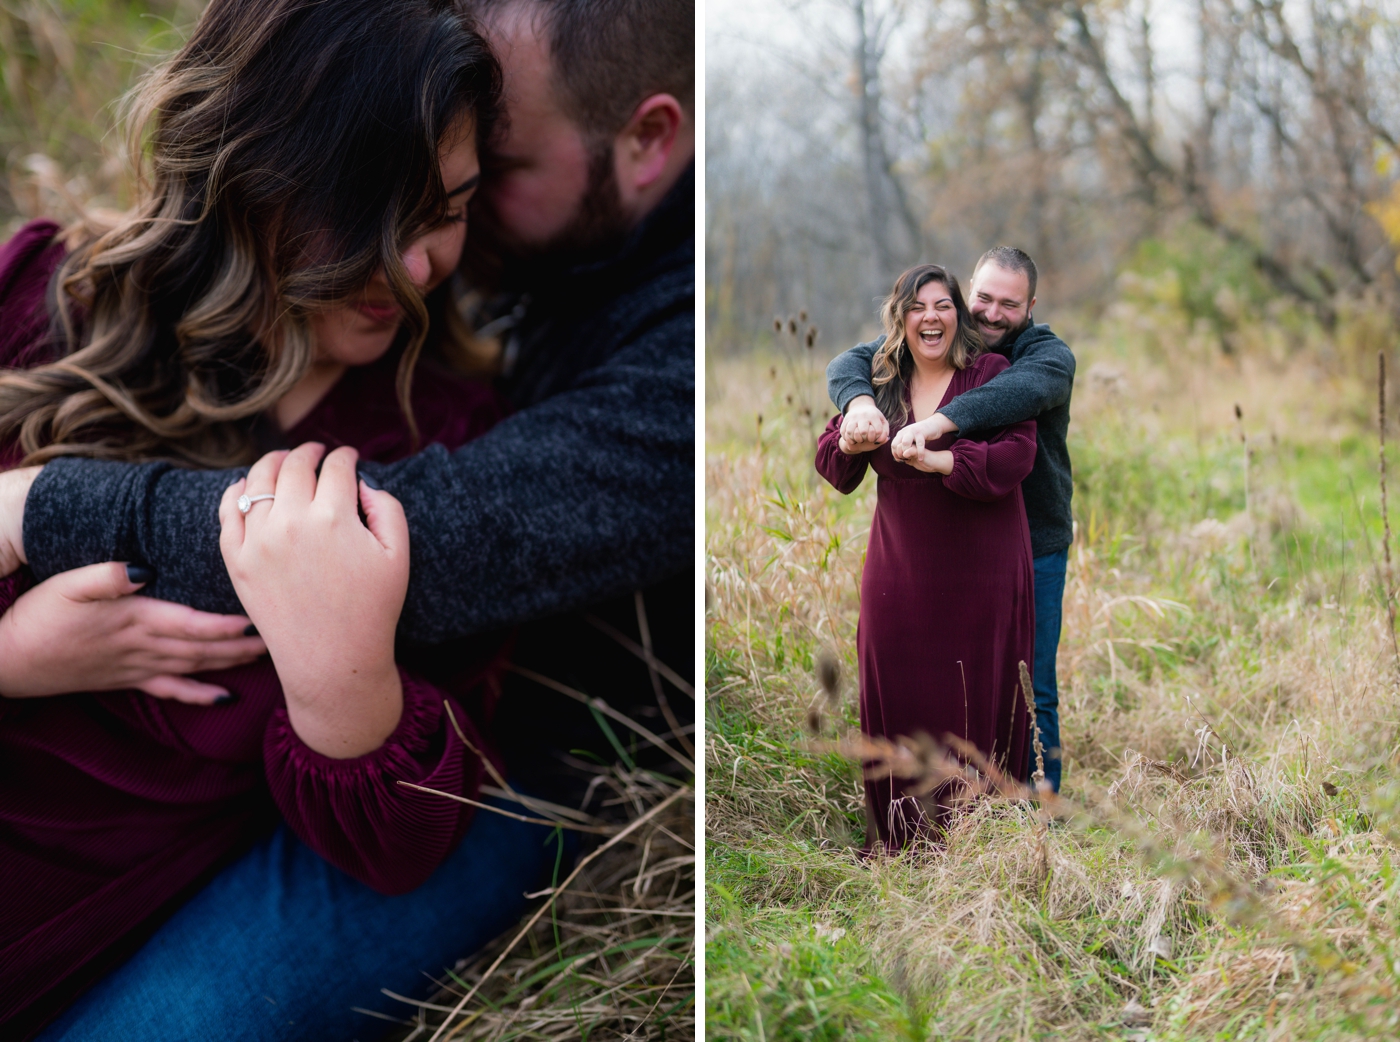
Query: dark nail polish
[(140, 573), (250, 630), (371, 482), (226, 699)]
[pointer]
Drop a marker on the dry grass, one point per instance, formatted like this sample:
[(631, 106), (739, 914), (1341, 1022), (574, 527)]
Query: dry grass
[(1230, 714), (609, 952)]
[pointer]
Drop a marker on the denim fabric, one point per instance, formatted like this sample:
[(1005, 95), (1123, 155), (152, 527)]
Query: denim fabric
[(280, 945), (1049, 593)]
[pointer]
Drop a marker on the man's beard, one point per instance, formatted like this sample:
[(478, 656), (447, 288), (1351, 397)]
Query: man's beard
[(495, 257), (1006, 335), (600, 224)]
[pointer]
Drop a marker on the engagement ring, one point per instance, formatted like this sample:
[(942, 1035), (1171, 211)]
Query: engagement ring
[(245, 503)]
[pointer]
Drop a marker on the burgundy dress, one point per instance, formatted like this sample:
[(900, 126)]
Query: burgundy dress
[(115, 807), (947, 600)]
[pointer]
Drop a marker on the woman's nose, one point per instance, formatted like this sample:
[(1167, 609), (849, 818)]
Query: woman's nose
[(415, 260)]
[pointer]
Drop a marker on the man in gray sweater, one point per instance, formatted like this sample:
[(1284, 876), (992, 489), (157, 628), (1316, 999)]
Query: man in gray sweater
[(1037, 387), (584, 495)]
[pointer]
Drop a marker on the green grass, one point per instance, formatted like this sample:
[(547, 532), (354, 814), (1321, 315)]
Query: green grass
[(63, 65)]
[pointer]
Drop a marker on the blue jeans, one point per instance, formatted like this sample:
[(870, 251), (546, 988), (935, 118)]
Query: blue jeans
[(280, 945), (1049, 595)]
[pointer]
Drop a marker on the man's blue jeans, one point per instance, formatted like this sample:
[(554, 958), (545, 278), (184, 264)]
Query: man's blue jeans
[(280, 945), (1049, 596)]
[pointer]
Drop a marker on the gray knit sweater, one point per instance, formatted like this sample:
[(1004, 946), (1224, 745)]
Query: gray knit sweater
[(586, 492), (1037, 387)]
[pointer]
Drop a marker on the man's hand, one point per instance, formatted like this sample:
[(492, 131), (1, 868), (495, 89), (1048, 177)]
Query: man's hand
[(325, 590), (908, 444), (864, 428), (931, 462), (14, 489), (83, 631)]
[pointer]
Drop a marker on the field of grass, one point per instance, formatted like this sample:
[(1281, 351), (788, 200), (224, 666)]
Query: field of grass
[(1230, 707)]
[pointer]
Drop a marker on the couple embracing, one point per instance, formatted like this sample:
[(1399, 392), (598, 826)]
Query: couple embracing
[(251, 395), (961, 409)]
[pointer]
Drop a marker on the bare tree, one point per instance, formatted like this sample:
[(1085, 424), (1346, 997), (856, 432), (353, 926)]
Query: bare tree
[(1069, 129)]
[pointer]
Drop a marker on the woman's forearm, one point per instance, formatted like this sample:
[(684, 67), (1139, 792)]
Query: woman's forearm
[(346, 715)]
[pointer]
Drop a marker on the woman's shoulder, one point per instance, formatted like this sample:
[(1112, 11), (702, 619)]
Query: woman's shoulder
[(987, 365), (30, 243), (27, 263)]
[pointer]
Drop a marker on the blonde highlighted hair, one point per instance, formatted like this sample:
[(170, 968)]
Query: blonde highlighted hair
[(893, 364), (280, 159)]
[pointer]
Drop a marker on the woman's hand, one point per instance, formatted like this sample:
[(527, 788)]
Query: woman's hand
[(908, 444), (83, 631), (325, 591), (14, 490), (864, 428)]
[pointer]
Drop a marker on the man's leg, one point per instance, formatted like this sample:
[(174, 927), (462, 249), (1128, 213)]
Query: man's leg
[(281, 945), (1049, 594)]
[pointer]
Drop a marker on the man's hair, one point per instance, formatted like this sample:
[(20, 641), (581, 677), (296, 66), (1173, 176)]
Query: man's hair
[(1011, 259), (610, 55)]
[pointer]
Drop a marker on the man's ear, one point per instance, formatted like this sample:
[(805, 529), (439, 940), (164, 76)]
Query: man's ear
[(643, 146)]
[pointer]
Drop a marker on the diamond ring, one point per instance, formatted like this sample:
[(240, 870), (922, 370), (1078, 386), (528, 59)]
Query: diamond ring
[(245, 503)]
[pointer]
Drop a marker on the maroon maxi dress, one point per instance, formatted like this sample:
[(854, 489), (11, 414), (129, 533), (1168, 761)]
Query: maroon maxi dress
[(947, 601)]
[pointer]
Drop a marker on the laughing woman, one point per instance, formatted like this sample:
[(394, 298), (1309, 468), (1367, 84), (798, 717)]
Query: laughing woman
[(946, 604), (301, 201)]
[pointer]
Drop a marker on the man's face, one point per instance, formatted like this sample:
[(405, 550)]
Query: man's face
[(544, 189), (1000, 303)]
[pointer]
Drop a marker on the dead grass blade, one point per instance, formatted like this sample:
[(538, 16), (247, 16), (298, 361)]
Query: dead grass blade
[(626, 831), (606, 710)]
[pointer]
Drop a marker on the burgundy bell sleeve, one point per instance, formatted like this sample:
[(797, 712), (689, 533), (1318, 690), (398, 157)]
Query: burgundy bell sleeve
[(844, 472), (353, 814), (988, 470)]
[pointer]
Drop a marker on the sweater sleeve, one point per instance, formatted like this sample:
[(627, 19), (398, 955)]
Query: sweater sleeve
[(848, 374), (988, 470), (353, 813), (584, 495), (1040, 378), (844, 472)]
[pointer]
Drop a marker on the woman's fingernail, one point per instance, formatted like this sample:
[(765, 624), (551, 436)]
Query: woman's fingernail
[(371, 482), (139, 573), (250, 630), (227, 698)]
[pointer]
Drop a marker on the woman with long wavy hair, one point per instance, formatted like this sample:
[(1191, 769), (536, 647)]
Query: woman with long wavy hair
[(947, 611), (229, 855)]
